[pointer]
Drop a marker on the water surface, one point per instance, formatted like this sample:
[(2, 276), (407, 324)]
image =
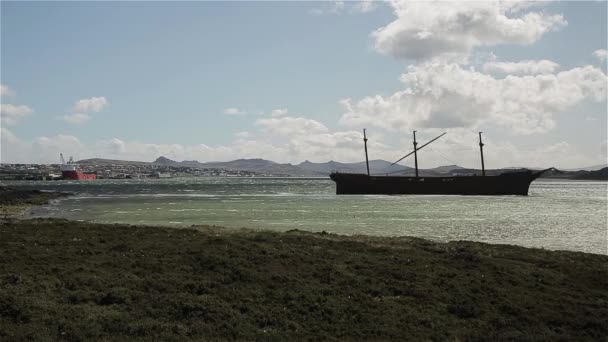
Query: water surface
[(568, 215)]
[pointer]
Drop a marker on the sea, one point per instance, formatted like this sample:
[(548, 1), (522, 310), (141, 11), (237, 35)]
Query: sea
[(557, 215)]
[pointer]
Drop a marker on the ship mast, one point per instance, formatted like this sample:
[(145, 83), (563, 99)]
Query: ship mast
[(483, 168), (365, 143), (415, 154), (417, 149)]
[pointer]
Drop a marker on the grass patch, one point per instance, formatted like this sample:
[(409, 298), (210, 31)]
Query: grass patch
[(63, 280)]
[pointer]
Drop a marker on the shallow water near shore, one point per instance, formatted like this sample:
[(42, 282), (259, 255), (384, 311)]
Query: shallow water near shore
[(558, 215)]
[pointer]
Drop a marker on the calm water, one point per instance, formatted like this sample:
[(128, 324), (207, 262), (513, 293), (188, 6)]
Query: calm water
[(557, 215)]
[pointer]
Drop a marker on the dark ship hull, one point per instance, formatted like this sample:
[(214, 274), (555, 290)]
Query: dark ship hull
[(510, 183)]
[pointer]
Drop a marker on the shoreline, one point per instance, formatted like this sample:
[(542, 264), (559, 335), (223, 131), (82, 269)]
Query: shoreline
[(24, 203), (15, 203), (71, 280)]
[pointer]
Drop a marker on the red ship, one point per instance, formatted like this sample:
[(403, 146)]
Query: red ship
[(70, 170)]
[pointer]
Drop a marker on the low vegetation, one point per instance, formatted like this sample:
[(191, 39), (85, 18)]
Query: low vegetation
[(76, 281), (14, 201)]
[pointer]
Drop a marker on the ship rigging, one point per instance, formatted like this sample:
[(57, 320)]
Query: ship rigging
[(508, 183)]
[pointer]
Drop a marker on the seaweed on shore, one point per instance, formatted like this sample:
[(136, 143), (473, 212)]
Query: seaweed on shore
[(14, 201)]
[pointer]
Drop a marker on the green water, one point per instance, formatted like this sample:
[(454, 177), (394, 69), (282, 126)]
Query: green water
[(565, 215)]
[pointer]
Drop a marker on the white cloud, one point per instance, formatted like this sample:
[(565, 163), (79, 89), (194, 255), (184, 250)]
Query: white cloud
[(459, 146), (300, 143), (94, 104), (341, 146), (7, 136), (447, 95), (551, 155), (234, 111), (115, 146), (291, 126), (307, 139), (13, 149), (77, 118), (336, 7), (279, 112), (58, 140), (329, 7), (242, 135), (521, 68), (6, 92), (601, 54), (286, 139), (11, 114), (450, 29), (366, 6), (47, 149)]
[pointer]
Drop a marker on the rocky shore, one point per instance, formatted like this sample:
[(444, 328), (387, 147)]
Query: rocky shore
[(14, 202)]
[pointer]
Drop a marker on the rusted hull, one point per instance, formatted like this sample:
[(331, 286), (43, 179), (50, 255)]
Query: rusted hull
[(513, 183), (78, 175)]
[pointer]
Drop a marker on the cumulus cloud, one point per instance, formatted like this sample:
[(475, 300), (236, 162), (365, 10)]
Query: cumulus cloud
[(438, 93), (279, 112), (83, 107), (330, 7), (600, 54), (47, 149), (291, 126), (7, 136), (458, 147), (234, 111), (365, 6), (94, 104), (11, 114), (307, 139), (447, 95), (13, 149), (58, 140), (77, 118), (522, 68), (242, 135), (451, 29), (115, 146), (550, 155), (6, 92), (338, 7), (285, 139)]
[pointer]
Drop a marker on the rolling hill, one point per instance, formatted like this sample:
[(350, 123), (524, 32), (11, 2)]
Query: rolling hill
[(310, 169)]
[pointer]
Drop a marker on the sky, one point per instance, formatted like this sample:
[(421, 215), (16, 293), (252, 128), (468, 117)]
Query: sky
[(293, 81)]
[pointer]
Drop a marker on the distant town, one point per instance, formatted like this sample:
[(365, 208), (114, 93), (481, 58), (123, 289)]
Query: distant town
[(166, 168), (116, 171)]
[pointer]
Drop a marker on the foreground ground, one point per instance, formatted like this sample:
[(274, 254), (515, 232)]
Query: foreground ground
[(62, 280)]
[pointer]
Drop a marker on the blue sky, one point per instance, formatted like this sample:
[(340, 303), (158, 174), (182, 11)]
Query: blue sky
[(170, 72)]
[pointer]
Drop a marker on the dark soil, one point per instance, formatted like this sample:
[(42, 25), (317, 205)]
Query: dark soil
[(62, 280)]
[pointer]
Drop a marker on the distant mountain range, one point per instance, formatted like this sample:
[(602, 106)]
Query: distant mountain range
[(589, 168), (307, 168), (256, 165)]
